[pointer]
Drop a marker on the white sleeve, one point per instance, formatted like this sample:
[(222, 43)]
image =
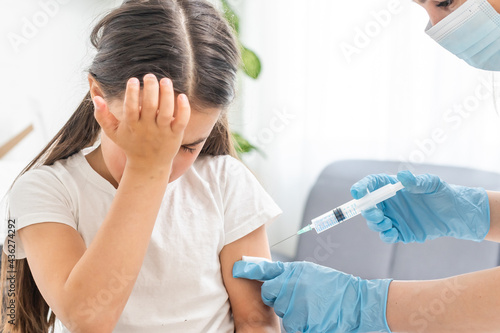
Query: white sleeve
[(38, 196), (247, 206)]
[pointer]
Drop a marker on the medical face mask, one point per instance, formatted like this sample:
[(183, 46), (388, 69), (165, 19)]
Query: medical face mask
[(472, 33)]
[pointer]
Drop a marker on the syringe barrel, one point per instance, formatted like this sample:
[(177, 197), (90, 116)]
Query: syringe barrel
[(354, 207), (379, 195), (335, 216)]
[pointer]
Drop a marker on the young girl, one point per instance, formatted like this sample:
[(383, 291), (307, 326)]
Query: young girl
[(141, 233)]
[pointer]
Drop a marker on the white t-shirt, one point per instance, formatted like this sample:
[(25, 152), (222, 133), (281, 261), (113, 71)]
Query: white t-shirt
[(180, 286)]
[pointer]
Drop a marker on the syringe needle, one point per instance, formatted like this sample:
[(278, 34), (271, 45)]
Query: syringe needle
[(295, 234)]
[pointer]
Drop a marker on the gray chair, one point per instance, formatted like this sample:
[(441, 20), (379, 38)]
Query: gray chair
[(353, 248)]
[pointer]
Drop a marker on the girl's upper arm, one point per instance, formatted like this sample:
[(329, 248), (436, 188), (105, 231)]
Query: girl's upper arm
[(249, 312), (52, 250), (494, 232)]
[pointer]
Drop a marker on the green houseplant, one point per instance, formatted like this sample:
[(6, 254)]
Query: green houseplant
[(250, 65)]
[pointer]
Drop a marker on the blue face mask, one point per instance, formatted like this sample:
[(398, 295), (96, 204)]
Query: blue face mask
[(472, 33)]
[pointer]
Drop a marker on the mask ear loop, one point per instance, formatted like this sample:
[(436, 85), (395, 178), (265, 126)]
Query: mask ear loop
[(495, 102)]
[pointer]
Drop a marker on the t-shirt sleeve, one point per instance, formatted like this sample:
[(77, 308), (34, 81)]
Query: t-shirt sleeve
[(38, 196), (247, 206)]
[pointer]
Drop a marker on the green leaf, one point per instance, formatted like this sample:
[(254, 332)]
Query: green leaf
[(231, 16), (243, 146), (250, 63)]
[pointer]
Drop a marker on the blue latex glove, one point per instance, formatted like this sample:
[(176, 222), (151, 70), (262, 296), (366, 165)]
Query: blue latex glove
[(427, 208), (312, 298)]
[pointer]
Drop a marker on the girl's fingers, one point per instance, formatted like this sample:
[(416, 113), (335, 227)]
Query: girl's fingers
[(158, 102), (166, 108), (150, 97), (181, 114), (106, 119), (131, 103)]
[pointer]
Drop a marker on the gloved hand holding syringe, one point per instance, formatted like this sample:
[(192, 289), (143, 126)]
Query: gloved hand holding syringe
[(349, 209)]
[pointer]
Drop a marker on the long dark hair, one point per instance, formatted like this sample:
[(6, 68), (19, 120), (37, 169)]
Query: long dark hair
[(187, 41)]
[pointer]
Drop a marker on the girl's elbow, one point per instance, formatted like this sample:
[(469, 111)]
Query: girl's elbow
[(77, 325), (81, 318)]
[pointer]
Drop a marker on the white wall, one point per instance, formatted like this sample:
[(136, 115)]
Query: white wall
[(44, 53)]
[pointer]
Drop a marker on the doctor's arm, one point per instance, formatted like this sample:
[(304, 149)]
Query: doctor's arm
[(494, 232), (314, 298), (465, 303)]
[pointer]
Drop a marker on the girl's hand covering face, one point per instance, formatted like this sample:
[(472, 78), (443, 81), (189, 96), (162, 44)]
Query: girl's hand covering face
[(149, 132)]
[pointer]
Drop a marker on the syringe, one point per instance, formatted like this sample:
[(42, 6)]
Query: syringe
[(351, 209)]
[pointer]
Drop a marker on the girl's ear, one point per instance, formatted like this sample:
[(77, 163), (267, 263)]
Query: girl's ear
[(95, 90)]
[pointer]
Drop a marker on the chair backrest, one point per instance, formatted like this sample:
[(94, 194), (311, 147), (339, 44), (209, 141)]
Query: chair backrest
[(353, 248)]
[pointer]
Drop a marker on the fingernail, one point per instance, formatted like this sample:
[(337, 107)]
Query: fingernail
[(150, 76), (165, 81), (134, 81), (183, 98)]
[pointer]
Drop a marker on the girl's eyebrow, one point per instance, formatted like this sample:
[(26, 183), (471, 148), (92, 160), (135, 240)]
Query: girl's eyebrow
[(194, 143)]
